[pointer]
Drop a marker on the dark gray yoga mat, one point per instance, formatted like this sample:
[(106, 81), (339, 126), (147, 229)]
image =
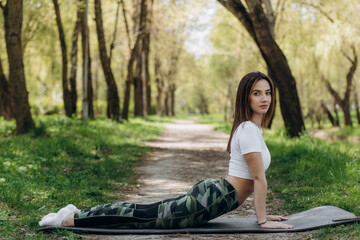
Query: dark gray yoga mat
[(308, 220)]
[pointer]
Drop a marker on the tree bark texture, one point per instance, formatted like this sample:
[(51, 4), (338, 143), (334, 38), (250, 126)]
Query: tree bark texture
[(159, 85), (113, 108), (146, 52), (85, 37), (329, 115), (112, 45), (66, 92), (256, 23), (146, 49), (166, 100), (130, 79), (130, 71), (90, 97), (172, 99), (73, 69), (5, 96), (345, 102), (20, 103), (138, 85), (140, 81), (126, 23), (356, 99), (336, 114), (171, 80)]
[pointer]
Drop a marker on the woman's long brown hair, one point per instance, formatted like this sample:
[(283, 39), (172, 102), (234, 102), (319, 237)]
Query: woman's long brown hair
[(243, 111)]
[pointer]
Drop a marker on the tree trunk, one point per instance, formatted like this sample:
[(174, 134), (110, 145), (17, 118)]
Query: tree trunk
[(113, 108), (126, 23), (5, 96), (329, 115), (171, 86), (146, 51), (345, 102), (256, 23), (20, 103), (112, 45), (86, 45), (138, 85), (74, 49), (230, 100), (139, 81), (166, 100), (337, 119), (66, 92), (90, 89), (130, 79), (356, 99), (172, 99), (159, 85), (130, 73), (144, 83)]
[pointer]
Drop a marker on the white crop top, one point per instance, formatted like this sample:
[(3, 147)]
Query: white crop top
[(247, 138)]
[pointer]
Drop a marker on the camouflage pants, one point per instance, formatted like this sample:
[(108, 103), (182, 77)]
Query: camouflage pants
[(206, 200)]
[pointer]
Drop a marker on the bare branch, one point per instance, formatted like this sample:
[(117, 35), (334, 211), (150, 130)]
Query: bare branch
[(350, 75), (126, 23), (112, 45), (319, 8), (332, 91), (240, 12)]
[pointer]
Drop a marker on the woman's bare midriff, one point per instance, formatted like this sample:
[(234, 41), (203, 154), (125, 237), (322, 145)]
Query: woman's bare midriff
[(244, 187)]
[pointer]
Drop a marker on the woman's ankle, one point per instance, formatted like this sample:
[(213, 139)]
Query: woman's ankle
[(69, 220)]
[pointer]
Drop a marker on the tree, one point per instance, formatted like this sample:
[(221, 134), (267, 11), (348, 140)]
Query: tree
[(67, 98), (159, 84), (113, 107), (5, 97), (170, 80), (141, 73), (257, 25), (20, 104), (334, 121), (356, 99), (130, 66), (74, 50), (344, 103), (85, 41)]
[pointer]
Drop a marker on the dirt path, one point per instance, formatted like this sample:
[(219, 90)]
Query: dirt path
[(185, 154)]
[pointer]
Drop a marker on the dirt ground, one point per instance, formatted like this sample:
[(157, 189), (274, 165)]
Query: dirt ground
[(185, 154)]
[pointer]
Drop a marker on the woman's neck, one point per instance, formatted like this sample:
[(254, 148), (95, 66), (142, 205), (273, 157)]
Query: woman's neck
[(257, 120)]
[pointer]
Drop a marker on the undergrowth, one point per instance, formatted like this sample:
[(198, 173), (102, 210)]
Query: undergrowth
[(66, 161)]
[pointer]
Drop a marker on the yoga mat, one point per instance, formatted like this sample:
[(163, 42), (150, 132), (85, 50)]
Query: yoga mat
[(308, 220)]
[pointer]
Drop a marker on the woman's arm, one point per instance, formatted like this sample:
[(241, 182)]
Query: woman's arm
[(255, 163), (256, 166)]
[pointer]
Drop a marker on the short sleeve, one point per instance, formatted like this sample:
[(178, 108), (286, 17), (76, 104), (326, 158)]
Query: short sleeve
[(249, 139)]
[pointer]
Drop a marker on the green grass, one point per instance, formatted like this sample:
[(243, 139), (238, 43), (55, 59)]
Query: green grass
[(66, 161), (307, 173)]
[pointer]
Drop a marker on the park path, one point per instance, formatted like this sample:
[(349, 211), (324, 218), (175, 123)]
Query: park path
[(184, 154)]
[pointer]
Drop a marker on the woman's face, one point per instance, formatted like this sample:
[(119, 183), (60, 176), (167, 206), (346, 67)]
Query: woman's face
[(260, 97)]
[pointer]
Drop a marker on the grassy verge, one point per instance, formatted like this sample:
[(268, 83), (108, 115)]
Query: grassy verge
[(307, 173), (65, 161)]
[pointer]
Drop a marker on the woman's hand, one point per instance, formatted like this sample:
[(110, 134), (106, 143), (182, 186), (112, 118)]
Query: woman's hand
[(275, 224), (275, 218)]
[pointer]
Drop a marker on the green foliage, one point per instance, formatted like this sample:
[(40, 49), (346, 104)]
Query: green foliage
[(65, 161), (308, 173)]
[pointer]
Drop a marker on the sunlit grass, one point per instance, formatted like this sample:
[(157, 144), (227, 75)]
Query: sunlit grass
[(66, 161)]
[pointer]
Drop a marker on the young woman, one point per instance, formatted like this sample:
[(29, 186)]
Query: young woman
[(208, 199)]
